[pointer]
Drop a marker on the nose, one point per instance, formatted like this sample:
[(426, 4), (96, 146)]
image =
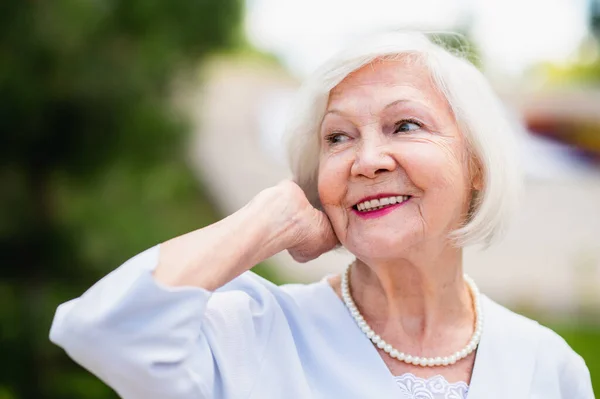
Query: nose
[(372, 158)]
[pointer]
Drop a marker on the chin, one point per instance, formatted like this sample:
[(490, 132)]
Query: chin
[(381, 246)]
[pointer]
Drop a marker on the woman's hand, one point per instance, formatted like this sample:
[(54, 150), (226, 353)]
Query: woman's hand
[(308, 232), (277, 219)]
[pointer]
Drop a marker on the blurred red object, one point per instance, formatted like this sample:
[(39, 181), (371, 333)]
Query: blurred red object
[(570, 117)]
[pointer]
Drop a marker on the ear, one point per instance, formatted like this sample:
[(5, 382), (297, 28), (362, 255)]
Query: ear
[(476, 173)]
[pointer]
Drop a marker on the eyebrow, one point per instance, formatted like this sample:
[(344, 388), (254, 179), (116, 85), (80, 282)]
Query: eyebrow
[(390, 105)]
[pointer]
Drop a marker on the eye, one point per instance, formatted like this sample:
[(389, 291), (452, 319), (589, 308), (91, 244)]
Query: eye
[(336, 138), (407, 125)]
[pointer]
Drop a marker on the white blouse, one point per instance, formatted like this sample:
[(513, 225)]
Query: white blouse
[(251, 339)]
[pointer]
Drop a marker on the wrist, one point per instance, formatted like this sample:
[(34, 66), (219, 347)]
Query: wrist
[(271, 225), (212, 256)]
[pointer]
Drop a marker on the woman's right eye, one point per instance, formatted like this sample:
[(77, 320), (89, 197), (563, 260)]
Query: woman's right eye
[(336, 138)]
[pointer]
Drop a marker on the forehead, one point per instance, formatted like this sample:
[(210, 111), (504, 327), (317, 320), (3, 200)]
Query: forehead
[(381, 82)]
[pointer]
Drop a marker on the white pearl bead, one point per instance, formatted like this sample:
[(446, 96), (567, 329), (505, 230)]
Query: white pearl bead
[(452, 359), (394, 353), (408, 359), (445, 361), (424, 361), (437, 361), (370, 334), (376, 339), (430, 362), (416, 360), (381, 344), (401, 356), (387, 348), (463, 353)]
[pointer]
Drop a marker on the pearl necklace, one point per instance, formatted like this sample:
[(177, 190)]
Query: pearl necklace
[(406, 358)]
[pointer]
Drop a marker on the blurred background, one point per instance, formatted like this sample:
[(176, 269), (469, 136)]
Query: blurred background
[(125, 123)]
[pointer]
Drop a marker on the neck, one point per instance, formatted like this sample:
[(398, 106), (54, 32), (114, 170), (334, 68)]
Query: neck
[(417, 296)]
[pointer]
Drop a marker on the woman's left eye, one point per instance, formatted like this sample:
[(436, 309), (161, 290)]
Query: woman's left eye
[(336, 138), (406, 126)]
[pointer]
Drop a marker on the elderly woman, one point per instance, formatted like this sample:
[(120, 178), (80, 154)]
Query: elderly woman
[(401, 154)]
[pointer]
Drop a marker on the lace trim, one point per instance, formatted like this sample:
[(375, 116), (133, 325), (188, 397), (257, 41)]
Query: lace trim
[(436, 387)]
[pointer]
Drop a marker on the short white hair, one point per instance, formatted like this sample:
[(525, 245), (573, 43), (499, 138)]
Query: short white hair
[(481, 118)]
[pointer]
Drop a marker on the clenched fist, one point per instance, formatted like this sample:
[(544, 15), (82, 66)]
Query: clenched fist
[(307, 230)]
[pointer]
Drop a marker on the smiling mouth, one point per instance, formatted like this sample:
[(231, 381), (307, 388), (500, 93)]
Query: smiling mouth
[(380, 203)]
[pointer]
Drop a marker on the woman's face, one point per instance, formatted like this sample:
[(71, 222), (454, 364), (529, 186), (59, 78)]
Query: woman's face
[(389, 135)]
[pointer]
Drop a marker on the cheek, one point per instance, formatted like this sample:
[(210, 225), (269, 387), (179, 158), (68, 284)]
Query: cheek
[(333, 186), (435, 166), (333, 180)]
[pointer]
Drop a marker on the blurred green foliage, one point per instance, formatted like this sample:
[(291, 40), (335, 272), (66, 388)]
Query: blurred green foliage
[(458, 43), (91, 160)]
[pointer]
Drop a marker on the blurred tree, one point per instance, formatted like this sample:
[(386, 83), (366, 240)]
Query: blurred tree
[(90, 159), (595, 17), (459, 43)]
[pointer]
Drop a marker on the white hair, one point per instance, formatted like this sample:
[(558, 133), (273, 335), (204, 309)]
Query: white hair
[(478, 111)]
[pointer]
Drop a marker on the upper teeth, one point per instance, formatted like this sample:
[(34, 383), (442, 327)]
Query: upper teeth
[(381, 202)]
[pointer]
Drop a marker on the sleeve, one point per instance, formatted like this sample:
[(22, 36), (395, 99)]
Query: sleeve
[(576, 380), (149, 341)]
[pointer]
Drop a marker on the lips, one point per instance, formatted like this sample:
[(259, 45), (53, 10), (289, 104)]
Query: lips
[(380, 202)]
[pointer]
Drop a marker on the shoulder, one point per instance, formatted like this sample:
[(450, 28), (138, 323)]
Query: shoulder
[(553, 357), (250, 312), (252, 293), (520, 327)]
